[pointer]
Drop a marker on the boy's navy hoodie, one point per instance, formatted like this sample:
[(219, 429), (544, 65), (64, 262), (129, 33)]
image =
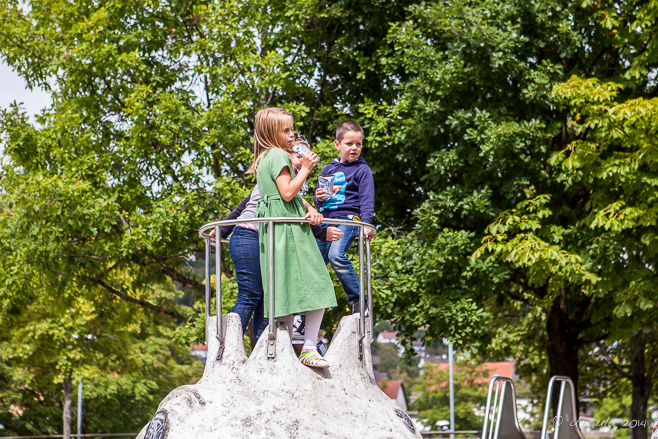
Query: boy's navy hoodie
[(354, 190)]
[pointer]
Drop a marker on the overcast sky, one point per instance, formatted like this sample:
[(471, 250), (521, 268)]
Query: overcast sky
[(14, 88)]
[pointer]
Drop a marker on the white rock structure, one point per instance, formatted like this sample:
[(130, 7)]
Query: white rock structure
[(259, 397)]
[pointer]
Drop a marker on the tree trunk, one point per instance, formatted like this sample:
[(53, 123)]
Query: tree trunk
[(641, 381), (562, 345), (67, 386)]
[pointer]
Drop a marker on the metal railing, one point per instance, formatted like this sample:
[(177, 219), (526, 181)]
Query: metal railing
[(500, 420), (271, 337), (471, 434), (73, 435), (565, 421)]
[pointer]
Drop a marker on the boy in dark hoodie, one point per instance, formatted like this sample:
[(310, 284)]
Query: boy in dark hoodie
[(353, 198)]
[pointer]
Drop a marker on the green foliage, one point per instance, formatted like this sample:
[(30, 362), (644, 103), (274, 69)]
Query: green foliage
[(536, 218), (406, 272), (511, 145), (433, 402), (388, 358), (148, 138), (125, 360), (617, 407)]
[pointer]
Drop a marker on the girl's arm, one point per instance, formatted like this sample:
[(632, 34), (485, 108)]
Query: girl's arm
[(312, 213), (288, 186)]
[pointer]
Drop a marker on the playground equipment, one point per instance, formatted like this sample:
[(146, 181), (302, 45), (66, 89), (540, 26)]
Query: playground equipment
[(565, 421), (217, 227), (500, 421), (270, 394)]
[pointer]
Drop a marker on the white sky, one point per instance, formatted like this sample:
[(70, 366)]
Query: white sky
[(13, 88)]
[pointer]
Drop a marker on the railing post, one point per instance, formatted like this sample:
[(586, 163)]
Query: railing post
[(207, 299), (494, 415), (362, 302), (369, 296), (271, 336), (451, 386), (218, 290)]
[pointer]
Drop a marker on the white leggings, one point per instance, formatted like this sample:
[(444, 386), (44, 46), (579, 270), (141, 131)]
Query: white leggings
[(312, 328)]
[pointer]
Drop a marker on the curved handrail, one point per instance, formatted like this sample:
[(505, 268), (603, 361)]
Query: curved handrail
[(500, 420), (217, 226), (235, 222), (565, 421)]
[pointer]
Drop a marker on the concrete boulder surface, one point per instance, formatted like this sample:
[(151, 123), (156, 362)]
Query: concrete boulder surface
[(259, 397)]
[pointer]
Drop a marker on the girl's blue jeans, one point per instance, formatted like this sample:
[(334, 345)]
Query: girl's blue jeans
[(245, 252), (335, 253)]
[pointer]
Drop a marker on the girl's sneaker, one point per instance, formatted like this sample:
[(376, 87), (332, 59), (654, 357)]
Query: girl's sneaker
[(312, 358)]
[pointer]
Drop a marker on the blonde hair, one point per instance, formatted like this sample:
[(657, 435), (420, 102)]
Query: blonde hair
[(268, 126)]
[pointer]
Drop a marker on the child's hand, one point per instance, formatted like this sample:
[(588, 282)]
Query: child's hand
[(212, 235), (321, 195), (309, 160), (314, 216), (370, 233), (334, 234)]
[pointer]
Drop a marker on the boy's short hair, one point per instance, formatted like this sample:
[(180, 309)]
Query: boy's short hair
[(345, 126)]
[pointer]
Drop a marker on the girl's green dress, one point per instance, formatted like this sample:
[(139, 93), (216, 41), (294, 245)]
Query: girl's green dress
[(301, 280)]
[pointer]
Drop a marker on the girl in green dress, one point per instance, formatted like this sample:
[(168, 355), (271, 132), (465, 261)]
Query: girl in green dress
[(301, 281)]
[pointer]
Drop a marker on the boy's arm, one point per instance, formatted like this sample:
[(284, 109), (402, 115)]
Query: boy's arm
[(326, 233), (319, 231), (367, 197), (315, 191)]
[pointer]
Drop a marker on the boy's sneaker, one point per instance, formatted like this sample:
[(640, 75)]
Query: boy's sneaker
[(356, 308), (299, 326), (311, 357)]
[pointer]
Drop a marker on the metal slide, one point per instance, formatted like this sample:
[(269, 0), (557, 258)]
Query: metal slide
[(500, 421), (565, 422)]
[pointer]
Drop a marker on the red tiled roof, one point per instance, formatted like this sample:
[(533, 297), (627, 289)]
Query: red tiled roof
[(496, 368), (391, 388), (199, 347), (387, 334)]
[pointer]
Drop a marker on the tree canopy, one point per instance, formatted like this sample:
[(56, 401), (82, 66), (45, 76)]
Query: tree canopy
[(512, 146)]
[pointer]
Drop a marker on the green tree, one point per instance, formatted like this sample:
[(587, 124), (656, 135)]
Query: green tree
[(618, 162), (125, 360), (616, 407), (505, 236), (147, 138), (433, 401), (510, 254), (388, 358)]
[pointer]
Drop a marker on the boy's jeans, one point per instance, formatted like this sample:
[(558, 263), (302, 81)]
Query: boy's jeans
[(335, 252)]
